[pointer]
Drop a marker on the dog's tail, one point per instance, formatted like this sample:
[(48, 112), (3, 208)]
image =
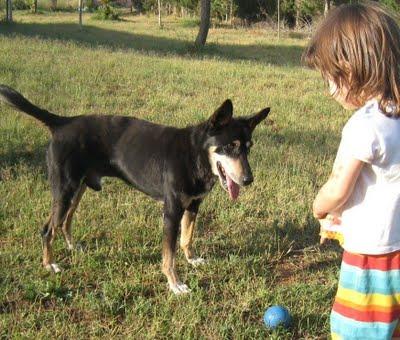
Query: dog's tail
[(17, 101)]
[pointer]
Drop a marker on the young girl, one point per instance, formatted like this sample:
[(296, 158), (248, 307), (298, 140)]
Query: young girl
[(357, 51)]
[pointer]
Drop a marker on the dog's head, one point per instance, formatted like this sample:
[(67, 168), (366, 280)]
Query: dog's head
[(228, 143)]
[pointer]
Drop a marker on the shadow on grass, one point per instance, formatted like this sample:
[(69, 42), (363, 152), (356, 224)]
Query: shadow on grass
[(95, 37), (278, 239), (13, 159), (319, 141)]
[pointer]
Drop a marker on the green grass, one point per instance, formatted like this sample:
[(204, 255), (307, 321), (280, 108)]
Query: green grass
[(261, 250)]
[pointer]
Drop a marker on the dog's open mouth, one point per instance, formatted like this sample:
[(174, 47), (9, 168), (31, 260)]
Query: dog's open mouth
[(228, 183)]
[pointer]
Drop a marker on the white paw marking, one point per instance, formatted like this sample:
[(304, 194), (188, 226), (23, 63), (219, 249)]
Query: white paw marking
[(53, 267), (197, 261), (70, 246), (179, 288)]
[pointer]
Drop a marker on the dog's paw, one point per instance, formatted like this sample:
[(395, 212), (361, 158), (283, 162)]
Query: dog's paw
[(179, 288), (53, 267), (196, 261)]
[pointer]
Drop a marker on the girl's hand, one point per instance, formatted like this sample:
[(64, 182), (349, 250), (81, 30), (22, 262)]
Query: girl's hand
[(330, 228), (332, 220)]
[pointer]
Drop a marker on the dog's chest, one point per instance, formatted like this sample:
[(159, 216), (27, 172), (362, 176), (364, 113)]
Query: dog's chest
[(186, 200), (200, 191)]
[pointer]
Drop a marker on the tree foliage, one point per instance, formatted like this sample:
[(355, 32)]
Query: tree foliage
[(292, 12), (254, 10)]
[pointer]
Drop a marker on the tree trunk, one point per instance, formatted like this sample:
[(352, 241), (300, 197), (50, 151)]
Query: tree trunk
[(298, 5), (327, 7), (9, 11), (205, 12), (279, 19), (159, 14), (35, 6), (137, 4), (230, 12), (80, 12)]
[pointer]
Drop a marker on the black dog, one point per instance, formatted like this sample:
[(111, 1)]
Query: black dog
[(175, 166)]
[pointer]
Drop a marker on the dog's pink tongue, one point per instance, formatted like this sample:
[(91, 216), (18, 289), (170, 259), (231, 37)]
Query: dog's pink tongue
[(233, 188)]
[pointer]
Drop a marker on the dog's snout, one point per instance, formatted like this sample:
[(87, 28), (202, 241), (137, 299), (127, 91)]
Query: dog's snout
[(248, 179)]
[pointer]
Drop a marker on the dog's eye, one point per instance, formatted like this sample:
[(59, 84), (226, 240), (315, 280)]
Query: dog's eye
[(230, 149), (227, 149)]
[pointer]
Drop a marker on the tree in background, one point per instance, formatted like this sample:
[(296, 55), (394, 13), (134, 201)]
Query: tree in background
[(137, 5), (205, 13), (223, 9), (80, 8), (9, 11), (327, 7), (293, 13), (159, 13)]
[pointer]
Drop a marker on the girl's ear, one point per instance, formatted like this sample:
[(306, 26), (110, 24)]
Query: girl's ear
[(256, 119), (222, 116)]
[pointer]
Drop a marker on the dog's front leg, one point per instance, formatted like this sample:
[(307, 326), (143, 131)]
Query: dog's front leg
[(173, 212), (187, 229)]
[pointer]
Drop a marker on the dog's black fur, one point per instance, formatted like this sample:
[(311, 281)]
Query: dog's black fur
[(169, 164)]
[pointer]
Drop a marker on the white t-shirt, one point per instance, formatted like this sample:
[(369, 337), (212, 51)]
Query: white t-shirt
[(371, 216)]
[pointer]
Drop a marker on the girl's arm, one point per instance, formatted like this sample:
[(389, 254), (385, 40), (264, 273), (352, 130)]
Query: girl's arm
[(335, 192)]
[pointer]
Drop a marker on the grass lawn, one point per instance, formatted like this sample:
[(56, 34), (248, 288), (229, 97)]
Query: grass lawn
[(261, 250)]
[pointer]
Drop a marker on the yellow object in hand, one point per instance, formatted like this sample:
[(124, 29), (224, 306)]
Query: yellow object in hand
[(330, 229)]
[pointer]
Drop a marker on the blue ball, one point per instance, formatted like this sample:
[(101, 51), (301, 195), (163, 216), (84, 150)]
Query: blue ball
[(277, 316)]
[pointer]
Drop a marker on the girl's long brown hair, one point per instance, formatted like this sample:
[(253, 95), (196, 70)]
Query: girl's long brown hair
[(358, 47)]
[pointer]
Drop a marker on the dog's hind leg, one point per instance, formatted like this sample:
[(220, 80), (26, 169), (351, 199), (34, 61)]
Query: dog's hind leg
[(47, 233), (62, 201), (187, 228), (172, 216), (66, 227)]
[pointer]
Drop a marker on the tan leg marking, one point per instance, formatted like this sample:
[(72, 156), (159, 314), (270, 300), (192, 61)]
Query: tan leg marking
[(168, 268), (59, 213), (66, 227), (47, 243), (187, 229), (48, 240)]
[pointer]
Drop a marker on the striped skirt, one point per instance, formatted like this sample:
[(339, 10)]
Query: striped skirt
[(367, 303)]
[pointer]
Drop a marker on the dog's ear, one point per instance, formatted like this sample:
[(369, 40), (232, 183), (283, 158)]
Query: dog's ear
[(222, 116), (256, 119)]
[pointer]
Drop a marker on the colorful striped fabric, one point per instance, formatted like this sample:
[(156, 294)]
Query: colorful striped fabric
[(367, 303)]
